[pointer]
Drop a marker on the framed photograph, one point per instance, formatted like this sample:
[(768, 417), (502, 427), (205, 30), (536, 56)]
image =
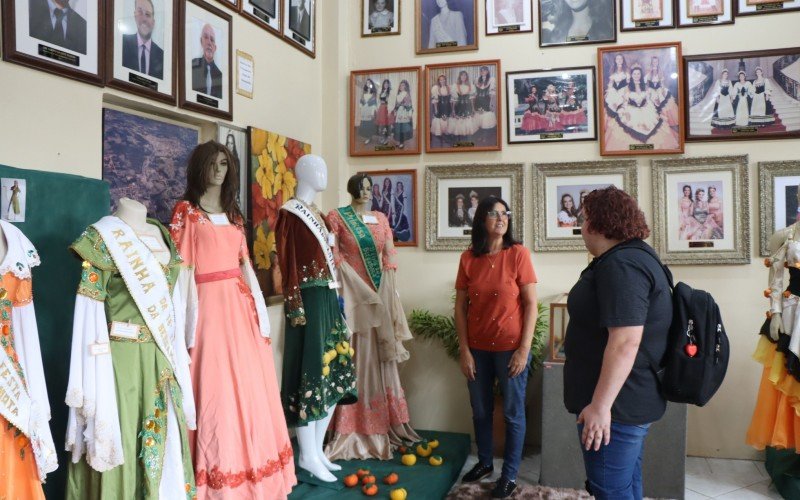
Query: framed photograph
[(60, 37), (778, 183), (462, 104), (551, 106), (265, 13), (394, 192), (205, 60), (272, 182), (145, 159), (751, 7), (704, 12), (701, 210), (14, 199), (384, 111), (640, 86), (742, 95), (235, 139), (446, 25), (559, 318), (559, 189), (380, 17), (300, 24), (452, 193), (505, 17), (571, 22), (140, 47), (635, 15)]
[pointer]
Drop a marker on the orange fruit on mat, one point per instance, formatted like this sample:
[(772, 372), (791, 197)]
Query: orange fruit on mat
[(350, 480), (370, 489), (391, 478)]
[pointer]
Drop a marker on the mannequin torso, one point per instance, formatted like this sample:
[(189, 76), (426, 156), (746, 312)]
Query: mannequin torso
[(134, 214)]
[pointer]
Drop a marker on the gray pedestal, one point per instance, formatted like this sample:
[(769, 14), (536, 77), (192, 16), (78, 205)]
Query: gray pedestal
[(562, 461)]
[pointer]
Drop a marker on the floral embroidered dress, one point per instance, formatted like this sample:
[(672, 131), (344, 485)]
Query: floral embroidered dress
[(241, 448), (379, 421), (27, 453), (128, 414)]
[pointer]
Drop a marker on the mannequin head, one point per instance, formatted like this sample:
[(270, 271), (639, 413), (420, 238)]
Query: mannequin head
[(360, 188), (312, 177), (206, 161)]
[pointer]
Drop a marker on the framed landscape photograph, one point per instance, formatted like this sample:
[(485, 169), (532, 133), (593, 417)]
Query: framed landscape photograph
[(778, 183), (394, 193), (743, 95), (638, 15), (235, 139), (452, 192), (573, 22), (446, 25), (701, 210), (505, 17), (640, 88), (384, 111), (463, 107), (75, 49), (380, 17), (300, 24), (551, 106), (265, 13), (704, 12), (751, 7), (559, 189)]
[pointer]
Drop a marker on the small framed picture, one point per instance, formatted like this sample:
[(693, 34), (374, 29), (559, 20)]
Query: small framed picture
[(779, 194), (265, 13), (384, 111), (551, 106), (14, 199), (452, 193), (701, 210), (646, 14), (140, 47), (462, 104), (742, 95), (751, 7), (559, 318), (559, 190), (204, 60), (235, 139), (380, 17), (60, 37), (704, 12), (394, 192), (570, 22), (300, 25), (446, 25), (505, 17), (640, 86)]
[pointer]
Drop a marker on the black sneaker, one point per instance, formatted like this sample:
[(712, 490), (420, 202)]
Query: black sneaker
[(477, 473), (503, 488)]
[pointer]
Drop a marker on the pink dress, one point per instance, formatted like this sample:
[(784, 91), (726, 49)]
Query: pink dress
[(241, 449)]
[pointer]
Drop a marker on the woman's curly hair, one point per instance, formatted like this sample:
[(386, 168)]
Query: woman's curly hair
[(614, 214)]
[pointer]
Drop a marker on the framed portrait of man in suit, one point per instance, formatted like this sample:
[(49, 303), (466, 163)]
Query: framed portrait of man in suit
[(141, 41), (57, 36), (265, 13), (204, 59), (300, 24)]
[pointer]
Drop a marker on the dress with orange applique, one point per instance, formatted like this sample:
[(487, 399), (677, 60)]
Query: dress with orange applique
[(27, 452)]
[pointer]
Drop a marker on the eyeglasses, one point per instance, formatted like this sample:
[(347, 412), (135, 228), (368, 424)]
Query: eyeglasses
[(494, 214)]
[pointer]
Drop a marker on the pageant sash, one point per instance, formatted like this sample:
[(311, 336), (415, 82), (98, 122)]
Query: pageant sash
[(145, 280), (318, 229), (366, 244), (15, 403)]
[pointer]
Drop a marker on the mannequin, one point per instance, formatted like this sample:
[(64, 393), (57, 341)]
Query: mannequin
[(314, 321), (134, 214)]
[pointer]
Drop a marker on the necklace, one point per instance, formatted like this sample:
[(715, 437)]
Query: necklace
[(491, 260)]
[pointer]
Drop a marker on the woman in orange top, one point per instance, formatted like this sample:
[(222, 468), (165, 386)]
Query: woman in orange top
[(495, 317)]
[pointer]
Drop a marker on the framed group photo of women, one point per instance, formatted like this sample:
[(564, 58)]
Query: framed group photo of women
[(704, 12), (264, 13), (751, 7), (380, 17), (140, 47), (571, 22), (300, 24), (559, 190), (701, 210), (57, 36), (463, 107), (453, 192), (551, 105), (742, 95), (779, 194), (505, 17), (384, 111), (640, 88), (635, 15), (394, 193), (446, 25), (235, 139)]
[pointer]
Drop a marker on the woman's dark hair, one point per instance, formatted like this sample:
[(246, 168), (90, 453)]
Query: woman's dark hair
[(408, 87), (614, 214), (354, 184), (633, 85), (481, 79), (683, 190), (201, 162), (572, 212), (369, 86), (387, 187), (480, 238), (384, 87)]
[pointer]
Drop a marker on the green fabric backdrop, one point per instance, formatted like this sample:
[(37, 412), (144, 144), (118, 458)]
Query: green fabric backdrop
[(59, 207)]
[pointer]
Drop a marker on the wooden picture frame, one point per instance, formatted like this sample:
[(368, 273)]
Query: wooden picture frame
[(296, 31), (511, 18), (632, 18), (401, 213), (380, 23), (777, 193), (266, 14), (691, 14), (555, 20), (755, 7), (461, 33)]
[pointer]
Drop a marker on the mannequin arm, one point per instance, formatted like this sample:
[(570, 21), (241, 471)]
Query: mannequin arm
[(250, 279)]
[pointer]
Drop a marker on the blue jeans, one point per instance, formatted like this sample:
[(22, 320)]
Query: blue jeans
[(489, 366), (615, 471)]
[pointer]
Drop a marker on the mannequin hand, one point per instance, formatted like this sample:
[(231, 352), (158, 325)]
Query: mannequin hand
[(775, 326), (467, 364)]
